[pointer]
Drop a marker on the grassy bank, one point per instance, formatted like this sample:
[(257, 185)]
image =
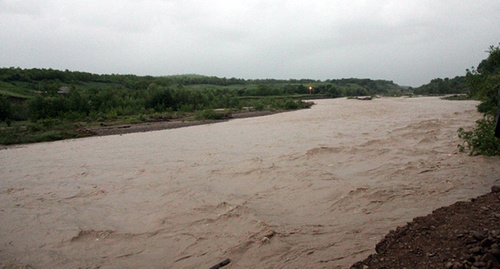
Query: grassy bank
[(44, 130)]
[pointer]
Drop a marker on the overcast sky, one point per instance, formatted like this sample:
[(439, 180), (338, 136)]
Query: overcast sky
[(409, 42)]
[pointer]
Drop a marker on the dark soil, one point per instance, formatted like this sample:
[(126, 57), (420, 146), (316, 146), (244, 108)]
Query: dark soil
[(166, 124), (463, 235)]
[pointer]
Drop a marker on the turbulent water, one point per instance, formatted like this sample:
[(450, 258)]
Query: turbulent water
[(314, 188)]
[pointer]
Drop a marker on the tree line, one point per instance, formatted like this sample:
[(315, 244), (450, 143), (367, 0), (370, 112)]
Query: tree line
[(35, 93), (484, 83), (98, 104), (439, 86)]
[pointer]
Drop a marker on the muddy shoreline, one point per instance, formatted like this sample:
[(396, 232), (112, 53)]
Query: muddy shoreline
[(463, 235), (168, 124)]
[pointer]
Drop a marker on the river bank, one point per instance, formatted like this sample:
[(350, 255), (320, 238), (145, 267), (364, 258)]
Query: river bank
[(53, 130), (169, 124), (463, 235)]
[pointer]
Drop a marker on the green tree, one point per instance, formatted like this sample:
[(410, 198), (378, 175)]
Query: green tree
[(160, 100), (263, 90), (5, 108), (485, 84), (78, 103), (485, 80)]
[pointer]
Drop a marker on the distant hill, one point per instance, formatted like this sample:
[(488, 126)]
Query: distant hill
[(441, 86)]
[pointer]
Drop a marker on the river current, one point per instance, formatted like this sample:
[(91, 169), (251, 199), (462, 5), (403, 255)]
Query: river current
[(314, 188)]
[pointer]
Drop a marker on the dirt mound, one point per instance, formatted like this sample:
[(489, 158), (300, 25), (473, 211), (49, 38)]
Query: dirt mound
[(463, 235)]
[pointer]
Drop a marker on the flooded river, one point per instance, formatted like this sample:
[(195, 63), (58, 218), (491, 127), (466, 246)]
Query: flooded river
[(315, 188)]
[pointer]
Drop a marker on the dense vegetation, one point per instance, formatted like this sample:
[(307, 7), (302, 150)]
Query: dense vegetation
[(484, 85), (47, 104), (439, 86)]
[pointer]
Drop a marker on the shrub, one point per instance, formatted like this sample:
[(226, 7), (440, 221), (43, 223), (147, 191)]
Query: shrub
[(5, 108), (485, 83), (160, 100), (19, 112), (34, 127), (210, 114), (259, 106), (291, 104), (111, 115), (481, 140)]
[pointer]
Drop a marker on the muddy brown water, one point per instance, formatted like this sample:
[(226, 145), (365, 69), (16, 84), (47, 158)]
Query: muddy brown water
[(314, 188)]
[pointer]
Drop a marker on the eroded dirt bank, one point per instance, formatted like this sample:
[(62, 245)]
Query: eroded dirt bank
[(168, 124), (464, 235), (314, 188)]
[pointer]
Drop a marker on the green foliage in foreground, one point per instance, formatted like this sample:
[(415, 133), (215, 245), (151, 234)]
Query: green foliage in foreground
[(481, 140), (485, 84)]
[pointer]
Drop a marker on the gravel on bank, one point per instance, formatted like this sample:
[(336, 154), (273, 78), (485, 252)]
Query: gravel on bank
[(465, 235)]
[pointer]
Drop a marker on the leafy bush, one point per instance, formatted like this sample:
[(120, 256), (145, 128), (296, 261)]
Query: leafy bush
[(111, 115), (210, 114), (304, 104), (160, 100), (35, 127), (488, 107), (19, 112), (259, 106), (485, 84), (481, 140), (5, 108), (291, 104)]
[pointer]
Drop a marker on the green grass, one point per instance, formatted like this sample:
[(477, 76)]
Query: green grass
[(10, 90), (210, 114), (25, 132)]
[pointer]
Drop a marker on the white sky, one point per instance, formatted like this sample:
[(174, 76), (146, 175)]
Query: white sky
[(409, 42)]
